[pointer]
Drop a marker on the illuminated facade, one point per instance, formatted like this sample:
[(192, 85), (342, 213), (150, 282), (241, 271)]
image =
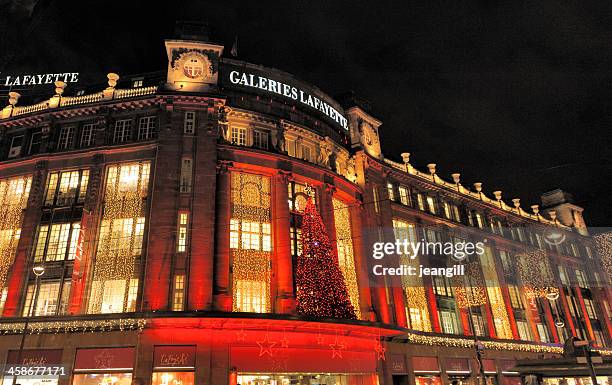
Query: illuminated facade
[(168, 221)]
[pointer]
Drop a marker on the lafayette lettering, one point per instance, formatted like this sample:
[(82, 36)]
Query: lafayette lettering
[(288, 91), (173, 359), (35, 80)]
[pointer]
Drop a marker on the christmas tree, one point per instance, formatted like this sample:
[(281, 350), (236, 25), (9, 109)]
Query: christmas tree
[(321, 290)]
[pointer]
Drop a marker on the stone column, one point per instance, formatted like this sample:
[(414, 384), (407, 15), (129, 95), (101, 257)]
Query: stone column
[(222, 285), (283, 264), (19, 272)]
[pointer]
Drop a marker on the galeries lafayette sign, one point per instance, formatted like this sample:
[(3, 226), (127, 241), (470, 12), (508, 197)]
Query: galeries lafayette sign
[(35, 80), (278, 87)]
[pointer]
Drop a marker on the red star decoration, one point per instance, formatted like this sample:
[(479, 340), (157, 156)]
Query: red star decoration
[(265, 346), (380, 351), (337, 348), (240, 335)]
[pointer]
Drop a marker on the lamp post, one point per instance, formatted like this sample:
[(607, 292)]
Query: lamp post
[(38, 270), (478, 346)]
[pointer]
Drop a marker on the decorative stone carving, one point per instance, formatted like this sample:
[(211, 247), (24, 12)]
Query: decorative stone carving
[(223, 121), (351, 173), (280, 138), (325, 151)]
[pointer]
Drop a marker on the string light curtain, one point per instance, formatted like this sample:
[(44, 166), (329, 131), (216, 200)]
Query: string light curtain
[(470, 288), (414, 290), (536, 276), (250, 242), (346, 257), (120, 237), (14, 193), (603, 243), (498, 306)]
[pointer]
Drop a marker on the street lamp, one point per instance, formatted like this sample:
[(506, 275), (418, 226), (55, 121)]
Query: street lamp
[(38, 270)]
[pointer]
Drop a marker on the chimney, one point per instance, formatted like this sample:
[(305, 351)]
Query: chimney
[(568, 213)]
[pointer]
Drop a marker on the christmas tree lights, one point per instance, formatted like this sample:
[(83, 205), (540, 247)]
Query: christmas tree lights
[(321, 290)]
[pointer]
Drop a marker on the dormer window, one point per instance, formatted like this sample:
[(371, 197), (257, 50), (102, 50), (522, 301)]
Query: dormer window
[(137, 82)]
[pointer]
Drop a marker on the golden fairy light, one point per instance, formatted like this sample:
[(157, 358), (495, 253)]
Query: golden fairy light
[(496, 299), (250, 241), (14, 194), (417, 309), (536, 276), (346, 258), (121, 233), (470, 288), (603, 243)]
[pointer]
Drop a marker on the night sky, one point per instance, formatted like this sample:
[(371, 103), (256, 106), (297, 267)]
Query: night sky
[(516, 96)]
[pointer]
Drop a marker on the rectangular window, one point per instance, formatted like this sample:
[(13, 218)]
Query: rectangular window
[(449, 322), (290, 146), (260, 139), (65, 188), (248, 235), (542, 332), (35, 141), (563, 276), (178, 297), (58, 244), (431, 204), (48, 301), (588, 304), (456, 213), (390, 191), (123, 130), (113, 295), (87, 135), (239, 136), (146, 127), (523, 330), (507, 265), (181, 245), (581, 279), (420, 202), (447, 211), (186, 175), (136, 83), (478, 324), (479, 221), (64, 140), (189, 124), (15, 149), (306, 153), (375, 197), (515, 297), (404, 194)]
